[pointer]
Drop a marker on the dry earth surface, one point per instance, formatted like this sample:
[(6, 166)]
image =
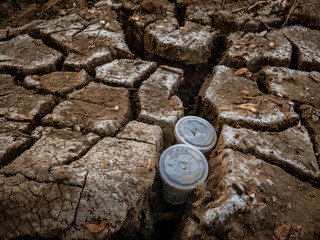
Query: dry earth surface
[(90, 92)]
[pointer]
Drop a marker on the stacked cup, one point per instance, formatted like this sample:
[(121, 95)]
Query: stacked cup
[(183, 166)]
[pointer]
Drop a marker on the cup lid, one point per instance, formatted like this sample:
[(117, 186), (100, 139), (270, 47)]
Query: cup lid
[(183, 167), (197, 132)]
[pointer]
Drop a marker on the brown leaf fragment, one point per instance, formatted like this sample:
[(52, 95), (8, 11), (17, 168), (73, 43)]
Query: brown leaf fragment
[(285, 112), (96, 227), (314, 77), (237, 46), (282, 231), (14, 145), (252, 45), (245, 92), (248, 106), (1, 88), (263, 33), (198, 43), (224, 108), (241, 71), (183, 28), (239, 53)]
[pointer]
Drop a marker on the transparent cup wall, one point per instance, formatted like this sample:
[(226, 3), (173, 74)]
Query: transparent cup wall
[(173, 195)]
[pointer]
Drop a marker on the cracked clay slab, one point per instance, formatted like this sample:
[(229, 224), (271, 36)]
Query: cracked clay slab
[(295, 85), (237, 101), (116, 173), (20, 104), (97, 108), (60, 83), (290, 149), (158, 104), (191, 44), (97, 44), (244, 192), (13, 139), (54, 147), (26, 55), (32, 208), (142, 132), (307, 46), (125, 72), (253, 51)]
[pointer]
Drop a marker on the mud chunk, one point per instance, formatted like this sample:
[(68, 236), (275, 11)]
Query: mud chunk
[(235, 100), (226, 22), (97, 108), (26, 55), (31, 208), (306, 15), (191, 44), (55, 148), (291, 149), (8, 86), (158, 104), (61, 27), (198, 15), (141, 15), (307, 46), (13, 140), (60, 83), (19, 104), (253, 51), (118, 174), (3, 34), (25, 29), (267, 17), (142, 132), (311, 118), (267, 191), (125, 72), (296, 85), (97, 44)]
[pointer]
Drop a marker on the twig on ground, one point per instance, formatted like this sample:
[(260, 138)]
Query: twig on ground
[(290, 12), (24, 135), (222, 5), (250, 7), (171, 69), (123, 50)]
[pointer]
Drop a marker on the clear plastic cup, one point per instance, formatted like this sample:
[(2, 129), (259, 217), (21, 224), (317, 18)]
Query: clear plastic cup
[(182, 168), (197, 132)]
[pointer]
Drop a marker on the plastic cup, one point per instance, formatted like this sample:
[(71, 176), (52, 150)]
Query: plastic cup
[(182, 168), (196, 132)]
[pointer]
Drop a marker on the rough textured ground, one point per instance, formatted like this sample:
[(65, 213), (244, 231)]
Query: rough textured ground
[(90, 92)]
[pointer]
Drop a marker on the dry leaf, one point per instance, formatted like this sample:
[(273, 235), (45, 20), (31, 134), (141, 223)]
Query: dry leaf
[(252, 45), (96, 227), (1, 88), (237, 46), (245, 92), (224, 108), (198, 43), (314, 77), (289, 207), (263, 33), (183, 28), (241, 71), (248, 106), (239, 53)]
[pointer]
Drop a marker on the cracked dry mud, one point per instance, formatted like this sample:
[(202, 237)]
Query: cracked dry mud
[(89, 97)]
